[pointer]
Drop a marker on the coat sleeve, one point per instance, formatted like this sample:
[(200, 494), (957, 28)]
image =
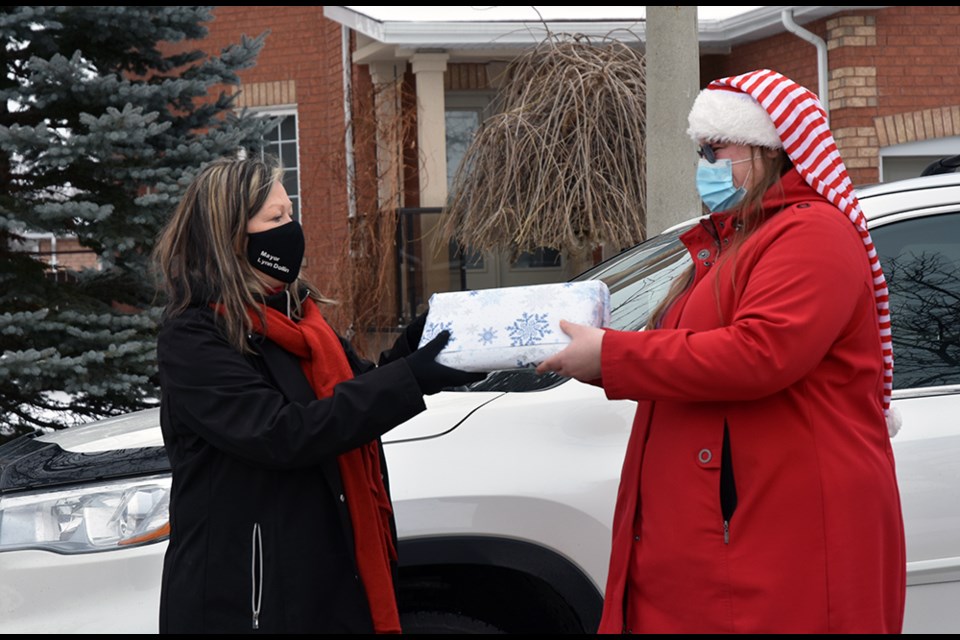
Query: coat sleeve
[(214, 392), (358, 363), (800, 294)]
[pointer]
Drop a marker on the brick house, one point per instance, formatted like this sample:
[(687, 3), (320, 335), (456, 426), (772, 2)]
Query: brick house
[(58, 252), (375, 109)]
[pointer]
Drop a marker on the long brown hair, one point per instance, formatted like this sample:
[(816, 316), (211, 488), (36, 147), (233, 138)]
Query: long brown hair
[(749, 215), (200, 255)]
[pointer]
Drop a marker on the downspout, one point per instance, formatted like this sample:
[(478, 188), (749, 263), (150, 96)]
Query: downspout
[(823, 77), (348, 118)]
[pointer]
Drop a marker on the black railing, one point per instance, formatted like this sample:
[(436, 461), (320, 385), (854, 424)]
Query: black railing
[(410, 293)]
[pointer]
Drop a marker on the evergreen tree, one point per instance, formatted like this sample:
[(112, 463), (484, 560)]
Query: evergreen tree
[(106, 113)]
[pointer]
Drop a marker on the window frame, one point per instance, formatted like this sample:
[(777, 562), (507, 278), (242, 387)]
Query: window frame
[(278, 141)]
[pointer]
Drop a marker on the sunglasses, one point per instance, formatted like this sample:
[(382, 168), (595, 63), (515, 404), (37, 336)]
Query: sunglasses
[(706, 152)]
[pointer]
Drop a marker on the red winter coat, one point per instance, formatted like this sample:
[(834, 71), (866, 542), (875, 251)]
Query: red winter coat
[(758, 492)]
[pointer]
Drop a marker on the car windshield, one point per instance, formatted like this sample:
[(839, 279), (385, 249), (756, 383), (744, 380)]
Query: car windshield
[(638, 279)]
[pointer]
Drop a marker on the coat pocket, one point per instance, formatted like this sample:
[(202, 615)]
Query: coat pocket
[(728, 485), (256, 573)]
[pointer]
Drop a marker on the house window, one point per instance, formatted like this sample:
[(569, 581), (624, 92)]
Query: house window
[(282, 143), (461, 125), (542, 258)]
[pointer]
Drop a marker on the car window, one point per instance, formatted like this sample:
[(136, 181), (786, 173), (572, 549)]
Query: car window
[(920, 257), (638, 279)]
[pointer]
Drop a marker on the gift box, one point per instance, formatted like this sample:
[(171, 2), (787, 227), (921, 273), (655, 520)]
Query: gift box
[(512, 327)]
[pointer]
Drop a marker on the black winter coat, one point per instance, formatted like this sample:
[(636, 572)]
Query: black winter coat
[(260, 537)]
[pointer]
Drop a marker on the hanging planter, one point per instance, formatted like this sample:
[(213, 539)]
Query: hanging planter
[(561, 164)]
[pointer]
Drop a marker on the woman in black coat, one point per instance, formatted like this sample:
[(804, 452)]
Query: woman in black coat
[(280, 514)]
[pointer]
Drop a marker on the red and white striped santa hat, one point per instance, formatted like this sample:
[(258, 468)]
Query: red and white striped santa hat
[(764, 108)]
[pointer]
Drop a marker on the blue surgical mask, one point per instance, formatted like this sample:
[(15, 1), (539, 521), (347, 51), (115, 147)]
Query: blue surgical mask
[(715, 184)]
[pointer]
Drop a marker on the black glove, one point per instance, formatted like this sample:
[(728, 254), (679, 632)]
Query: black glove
[(433, 376), (414, 331), (406, 343)]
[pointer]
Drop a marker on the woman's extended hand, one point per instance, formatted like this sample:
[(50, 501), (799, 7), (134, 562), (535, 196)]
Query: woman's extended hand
[(432, 376), (581, 358)]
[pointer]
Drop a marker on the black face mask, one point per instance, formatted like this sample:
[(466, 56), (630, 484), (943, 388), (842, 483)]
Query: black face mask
[(277, 252)]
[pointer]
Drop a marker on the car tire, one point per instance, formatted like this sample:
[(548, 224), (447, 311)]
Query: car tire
[(431, 622)]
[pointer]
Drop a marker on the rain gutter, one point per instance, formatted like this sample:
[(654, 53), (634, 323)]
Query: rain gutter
[(823, 73)]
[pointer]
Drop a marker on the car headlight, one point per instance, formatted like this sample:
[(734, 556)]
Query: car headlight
[(91, 517)]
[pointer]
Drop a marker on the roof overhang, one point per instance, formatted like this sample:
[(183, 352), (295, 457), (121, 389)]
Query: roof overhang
[(476, 36)]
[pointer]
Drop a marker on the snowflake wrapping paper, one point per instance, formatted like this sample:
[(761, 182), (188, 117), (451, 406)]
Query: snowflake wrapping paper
[(512, 327)]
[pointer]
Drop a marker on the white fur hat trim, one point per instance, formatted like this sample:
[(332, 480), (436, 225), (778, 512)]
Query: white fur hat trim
[(734, 117)]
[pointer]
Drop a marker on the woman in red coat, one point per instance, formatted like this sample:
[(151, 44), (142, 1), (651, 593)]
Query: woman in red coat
[(758, 492)]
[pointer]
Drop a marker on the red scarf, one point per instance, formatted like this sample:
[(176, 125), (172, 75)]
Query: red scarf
[(325, 365)]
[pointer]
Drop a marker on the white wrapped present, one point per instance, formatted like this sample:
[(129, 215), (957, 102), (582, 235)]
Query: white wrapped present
[(512, 327)]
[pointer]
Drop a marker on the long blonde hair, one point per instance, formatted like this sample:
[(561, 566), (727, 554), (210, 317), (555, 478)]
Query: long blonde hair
[(749, 214), (200, 255)]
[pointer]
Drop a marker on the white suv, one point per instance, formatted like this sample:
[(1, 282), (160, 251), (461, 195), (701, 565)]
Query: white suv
[(504, 492)]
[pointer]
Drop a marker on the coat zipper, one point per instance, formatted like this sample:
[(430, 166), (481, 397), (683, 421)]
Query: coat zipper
[(726, 532), (256, 574)]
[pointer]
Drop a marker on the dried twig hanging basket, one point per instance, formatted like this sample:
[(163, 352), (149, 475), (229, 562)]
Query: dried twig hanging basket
[(561, 163)]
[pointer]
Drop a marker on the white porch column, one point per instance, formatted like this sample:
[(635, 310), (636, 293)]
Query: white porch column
[(387, 78), (428, 69)]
